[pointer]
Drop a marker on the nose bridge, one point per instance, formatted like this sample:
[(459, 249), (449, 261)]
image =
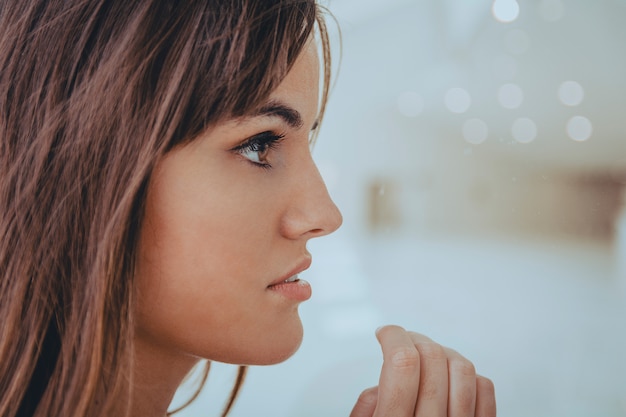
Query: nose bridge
[(311, 211)]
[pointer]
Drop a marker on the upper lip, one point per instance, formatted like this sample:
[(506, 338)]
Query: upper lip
[(301, 266)]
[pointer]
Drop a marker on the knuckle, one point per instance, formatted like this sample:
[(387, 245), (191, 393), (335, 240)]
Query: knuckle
[(431, 351), (485, 386), (461, 366), (369, 396), (405, 358)]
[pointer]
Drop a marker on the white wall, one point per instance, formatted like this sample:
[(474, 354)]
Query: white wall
[(437, 181)]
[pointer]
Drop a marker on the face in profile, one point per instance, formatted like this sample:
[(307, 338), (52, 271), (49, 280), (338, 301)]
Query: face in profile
[(227, 219)]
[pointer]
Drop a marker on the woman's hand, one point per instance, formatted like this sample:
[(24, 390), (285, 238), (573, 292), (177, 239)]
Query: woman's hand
[(421, 378)]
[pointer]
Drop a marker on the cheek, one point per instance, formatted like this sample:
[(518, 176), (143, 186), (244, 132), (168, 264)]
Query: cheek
[(202, 272), (214, 313)]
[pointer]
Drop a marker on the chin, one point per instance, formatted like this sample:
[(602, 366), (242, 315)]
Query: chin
[(278, 352), (276, 347), (280, 355)]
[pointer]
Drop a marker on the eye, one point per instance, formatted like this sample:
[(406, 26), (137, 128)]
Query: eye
[(257, 148)]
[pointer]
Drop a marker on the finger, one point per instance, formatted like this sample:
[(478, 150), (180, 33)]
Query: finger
[(485, 397), (366, 404), (400, 374), (462, 377), (432, 399)]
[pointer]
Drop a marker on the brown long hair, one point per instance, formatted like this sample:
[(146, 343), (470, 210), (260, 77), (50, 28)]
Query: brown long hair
[(92, 94)]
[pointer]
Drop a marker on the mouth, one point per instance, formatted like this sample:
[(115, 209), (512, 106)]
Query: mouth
[(291, 286), (292, 276)]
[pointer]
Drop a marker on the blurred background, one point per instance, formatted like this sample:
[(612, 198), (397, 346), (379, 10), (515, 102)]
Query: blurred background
[(477, 150)]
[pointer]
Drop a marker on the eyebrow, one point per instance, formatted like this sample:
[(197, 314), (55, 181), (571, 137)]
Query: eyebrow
[(289, 115)]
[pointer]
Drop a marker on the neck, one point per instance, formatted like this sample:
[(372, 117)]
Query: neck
[(157, 373)]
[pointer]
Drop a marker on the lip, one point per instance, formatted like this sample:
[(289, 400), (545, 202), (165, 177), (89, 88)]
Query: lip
[(303, 265)]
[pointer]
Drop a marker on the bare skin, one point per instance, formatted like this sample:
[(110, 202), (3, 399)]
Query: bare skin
[(227, 217), (421, 378), (224, 220)]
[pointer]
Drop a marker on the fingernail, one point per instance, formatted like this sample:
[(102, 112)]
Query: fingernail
[(378, 330)]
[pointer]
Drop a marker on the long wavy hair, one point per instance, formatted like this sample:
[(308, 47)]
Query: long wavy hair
[(93, 93)]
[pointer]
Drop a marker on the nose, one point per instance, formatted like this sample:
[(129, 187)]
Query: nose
[(311, 212)]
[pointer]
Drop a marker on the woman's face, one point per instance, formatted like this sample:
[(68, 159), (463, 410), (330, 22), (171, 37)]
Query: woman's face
[(227, 216)]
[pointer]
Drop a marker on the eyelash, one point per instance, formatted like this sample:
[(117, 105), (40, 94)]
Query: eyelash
[(261, 144)]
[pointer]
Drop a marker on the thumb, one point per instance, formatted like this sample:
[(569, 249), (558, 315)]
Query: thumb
[(366, 404)]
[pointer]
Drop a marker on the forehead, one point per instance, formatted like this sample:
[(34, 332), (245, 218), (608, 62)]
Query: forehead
[(300, 88), (295, 100)]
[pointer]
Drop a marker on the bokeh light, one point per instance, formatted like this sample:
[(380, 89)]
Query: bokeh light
[(505, 11), (475, 131), (457, 100), (571, 93), (524, 130), (579, 128), (510, 96)]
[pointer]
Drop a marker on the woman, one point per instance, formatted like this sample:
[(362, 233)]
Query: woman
[(157, 193)]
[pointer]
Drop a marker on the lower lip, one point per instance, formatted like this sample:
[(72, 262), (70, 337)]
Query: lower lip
[(298, 290)]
